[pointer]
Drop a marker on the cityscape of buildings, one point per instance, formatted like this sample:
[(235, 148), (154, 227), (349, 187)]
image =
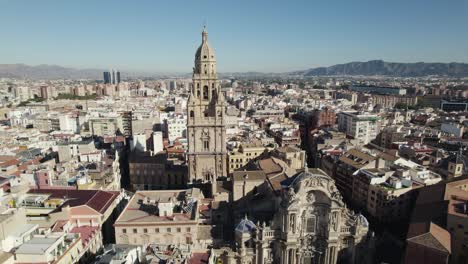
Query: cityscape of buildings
[(318, 170)]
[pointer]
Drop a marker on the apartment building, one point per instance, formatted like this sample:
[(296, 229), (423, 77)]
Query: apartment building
[(361, 126)]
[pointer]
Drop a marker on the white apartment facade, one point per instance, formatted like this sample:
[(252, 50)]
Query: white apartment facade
[(363, 127)]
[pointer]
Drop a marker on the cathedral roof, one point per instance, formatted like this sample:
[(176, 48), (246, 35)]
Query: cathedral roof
[(309, 173), (245, 226)]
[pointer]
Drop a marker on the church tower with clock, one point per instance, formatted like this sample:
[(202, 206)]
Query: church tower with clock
[(206, 129)]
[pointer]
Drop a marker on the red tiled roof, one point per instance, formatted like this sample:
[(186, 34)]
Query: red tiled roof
[(198, 258), (4, 158), (9, 163), (87, 232), (430, 235), (58, 227), (96, 199)]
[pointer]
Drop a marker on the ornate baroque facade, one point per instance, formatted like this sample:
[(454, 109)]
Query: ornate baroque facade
[(206, 120), (312, 225)]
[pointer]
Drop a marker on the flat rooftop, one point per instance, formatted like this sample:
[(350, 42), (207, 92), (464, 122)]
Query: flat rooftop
[(143, 207), (37, 245)]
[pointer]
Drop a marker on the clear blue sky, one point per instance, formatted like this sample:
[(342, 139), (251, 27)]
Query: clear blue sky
[(253, 35)]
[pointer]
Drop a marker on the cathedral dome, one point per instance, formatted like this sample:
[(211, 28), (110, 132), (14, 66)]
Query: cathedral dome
[(245, 226), (304, 175), (205, 53)]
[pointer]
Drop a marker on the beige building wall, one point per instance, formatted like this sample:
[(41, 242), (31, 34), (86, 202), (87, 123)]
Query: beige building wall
[(105, 126), (244, 183), (387, 204), (157, 233), (455, 169), (238, 159)]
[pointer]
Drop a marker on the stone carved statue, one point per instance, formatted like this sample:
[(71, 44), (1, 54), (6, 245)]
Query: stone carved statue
[(291, 195), (334, 221)]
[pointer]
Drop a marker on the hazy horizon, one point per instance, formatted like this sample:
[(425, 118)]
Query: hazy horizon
[(259, 36)]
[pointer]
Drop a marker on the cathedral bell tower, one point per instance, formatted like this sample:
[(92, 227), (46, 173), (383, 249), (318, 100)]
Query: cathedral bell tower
[(206, 120)]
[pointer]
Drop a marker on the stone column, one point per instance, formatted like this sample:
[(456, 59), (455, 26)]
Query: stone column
[(325, 258), (293, 255), (333, 255)]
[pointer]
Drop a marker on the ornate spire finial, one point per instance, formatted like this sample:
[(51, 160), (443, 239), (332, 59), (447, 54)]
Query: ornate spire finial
[(204, 34)]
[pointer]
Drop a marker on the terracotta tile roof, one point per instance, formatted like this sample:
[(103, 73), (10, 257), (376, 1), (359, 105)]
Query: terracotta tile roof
[(96, 199), (87, 232), (199, 258), (9, 163), (137, 212), (248, 175), (387, 156), (4, 158), (434, 237), (58, 226), (269, 166), (356, 158), (429, 217)]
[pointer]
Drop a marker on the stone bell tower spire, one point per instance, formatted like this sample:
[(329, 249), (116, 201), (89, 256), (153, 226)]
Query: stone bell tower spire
[(206, 120)]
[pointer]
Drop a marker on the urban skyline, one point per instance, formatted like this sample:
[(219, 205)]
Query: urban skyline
[(156, 37), (359, 163)]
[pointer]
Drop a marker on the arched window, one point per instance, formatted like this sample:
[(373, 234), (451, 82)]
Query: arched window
[(205, 92), (192, 114)]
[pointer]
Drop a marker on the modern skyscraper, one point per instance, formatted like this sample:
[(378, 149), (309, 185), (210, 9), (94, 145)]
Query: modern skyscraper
[(206, 120), (107, 77), (112, 77), (116, 77)]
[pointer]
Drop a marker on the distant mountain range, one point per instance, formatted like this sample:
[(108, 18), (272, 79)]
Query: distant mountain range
[(47, 72), (383, 68), (370, 68)]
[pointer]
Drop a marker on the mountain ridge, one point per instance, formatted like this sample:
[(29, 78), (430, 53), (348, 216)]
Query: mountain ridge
[(369, 68), (394, 69)]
